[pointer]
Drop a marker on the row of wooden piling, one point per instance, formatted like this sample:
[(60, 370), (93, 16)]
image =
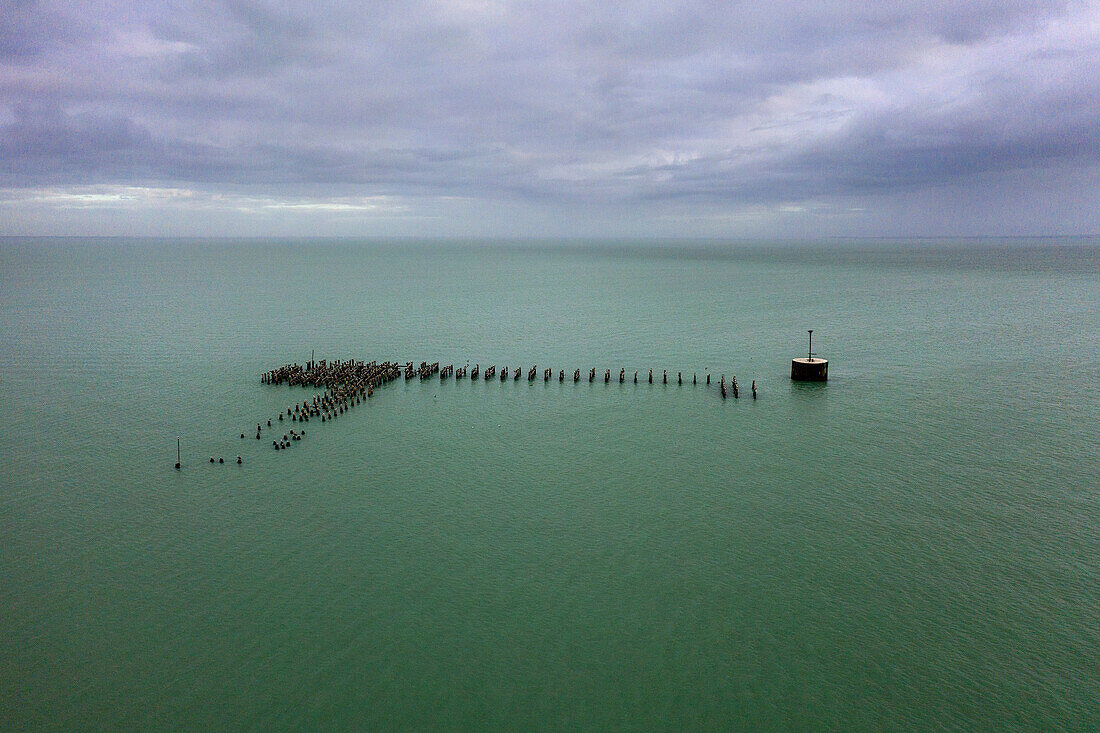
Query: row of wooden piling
[(343, 379), (346, 384), (426, 370)]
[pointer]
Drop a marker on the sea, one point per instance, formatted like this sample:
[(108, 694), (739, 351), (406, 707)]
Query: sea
[(912, 545)]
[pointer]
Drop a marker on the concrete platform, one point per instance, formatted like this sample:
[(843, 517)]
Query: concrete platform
[(809, 370)]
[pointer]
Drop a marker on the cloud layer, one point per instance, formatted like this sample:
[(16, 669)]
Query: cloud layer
[(483, 116)]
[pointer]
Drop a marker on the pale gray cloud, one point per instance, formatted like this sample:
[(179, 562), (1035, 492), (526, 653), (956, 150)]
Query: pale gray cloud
[(740, 115)]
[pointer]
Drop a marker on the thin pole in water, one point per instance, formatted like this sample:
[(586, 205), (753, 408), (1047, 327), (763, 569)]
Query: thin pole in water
[(177, 453), (810, 355)]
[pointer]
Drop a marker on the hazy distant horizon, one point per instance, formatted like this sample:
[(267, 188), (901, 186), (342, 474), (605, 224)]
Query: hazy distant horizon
[(1073, 239)]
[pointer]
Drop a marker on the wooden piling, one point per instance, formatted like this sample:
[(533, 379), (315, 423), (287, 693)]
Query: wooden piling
[(345, 384)]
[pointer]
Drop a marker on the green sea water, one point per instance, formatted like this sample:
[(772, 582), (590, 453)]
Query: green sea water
[(913, 545)]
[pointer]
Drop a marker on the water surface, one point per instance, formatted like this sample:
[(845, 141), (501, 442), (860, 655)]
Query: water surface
[(912, 545)]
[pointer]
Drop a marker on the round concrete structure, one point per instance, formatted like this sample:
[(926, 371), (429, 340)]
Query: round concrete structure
[(810, 370)]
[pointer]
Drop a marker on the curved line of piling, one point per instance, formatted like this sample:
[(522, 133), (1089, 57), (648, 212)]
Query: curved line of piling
[(343, 385), (346, 384)]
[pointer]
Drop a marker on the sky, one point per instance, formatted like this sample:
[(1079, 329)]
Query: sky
[(491, 118)]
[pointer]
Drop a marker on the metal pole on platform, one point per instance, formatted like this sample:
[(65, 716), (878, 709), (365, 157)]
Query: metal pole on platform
[(810, 354)]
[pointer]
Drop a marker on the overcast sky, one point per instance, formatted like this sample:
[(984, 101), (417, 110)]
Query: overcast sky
[(498, 118)]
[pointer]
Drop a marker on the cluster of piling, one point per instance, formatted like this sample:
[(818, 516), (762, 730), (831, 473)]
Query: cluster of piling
[(345, 384), (344, 374), (424, 371), (343, 380)]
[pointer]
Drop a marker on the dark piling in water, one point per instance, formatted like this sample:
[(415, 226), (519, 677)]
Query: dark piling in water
[(345, 383)]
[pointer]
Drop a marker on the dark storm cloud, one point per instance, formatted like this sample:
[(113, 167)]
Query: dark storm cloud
[(903, 149), (741, 104), (89, 148)]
